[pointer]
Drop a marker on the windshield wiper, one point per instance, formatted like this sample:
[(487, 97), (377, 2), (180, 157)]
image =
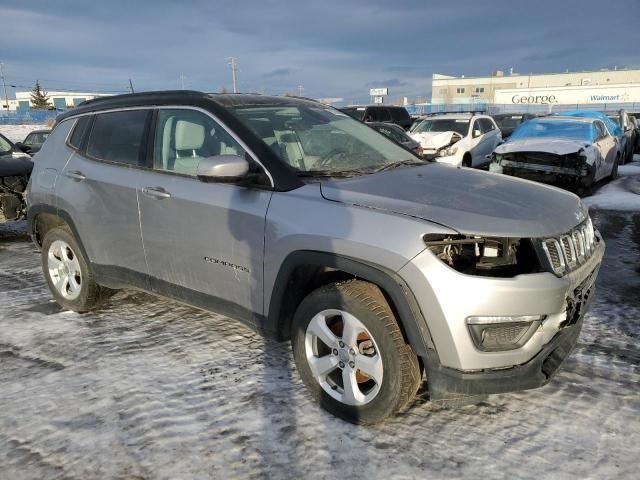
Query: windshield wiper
[(328, 173), (400, 163)]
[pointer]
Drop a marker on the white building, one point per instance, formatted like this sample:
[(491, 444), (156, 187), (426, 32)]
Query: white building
[(619, 86), (59, 100)]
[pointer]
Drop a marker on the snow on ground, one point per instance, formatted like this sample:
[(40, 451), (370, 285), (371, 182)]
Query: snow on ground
[(17, 133), (621, 194), (147, 388)]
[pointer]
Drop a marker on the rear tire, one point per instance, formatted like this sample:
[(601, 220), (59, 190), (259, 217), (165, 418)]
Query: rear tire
[(614, 170), (67, 272), (341, 327)]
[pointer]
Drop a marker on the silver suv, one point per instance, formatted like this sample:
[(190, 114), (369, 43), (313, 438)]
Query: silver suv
[(383, 269)]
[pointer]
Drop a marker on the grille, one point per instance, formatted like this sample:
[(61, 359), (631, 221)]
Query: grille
[(571, 250)]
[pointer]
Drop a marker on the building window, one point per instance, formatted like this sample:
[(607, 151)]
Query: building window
[(479, 90), (443, 91), (459, 90)]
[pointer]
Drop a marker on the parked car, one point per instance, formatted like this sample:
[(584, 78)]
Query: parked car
[(458, 138), (311, 227), (612, 127), (398, 135), (380, 113), (507, 122), (573, 153), (635, 120), (33, 141), (15, 169), (622, 120)]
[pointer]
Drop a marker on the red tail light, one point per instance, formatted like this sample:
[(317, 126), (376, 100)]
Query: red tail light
[(419, 150)]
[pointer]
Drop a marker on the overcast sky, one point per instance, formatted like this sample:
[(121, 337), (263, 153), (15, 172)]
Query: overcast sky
[(332, 48)]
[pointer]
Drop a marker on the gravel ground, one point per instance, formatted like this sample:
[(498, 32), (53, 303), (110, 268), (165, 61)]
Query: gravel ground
[(147, 388)]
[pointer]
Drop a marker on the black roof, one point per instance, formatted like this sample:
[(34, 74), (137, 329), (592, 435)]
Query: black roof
[(181, 97)]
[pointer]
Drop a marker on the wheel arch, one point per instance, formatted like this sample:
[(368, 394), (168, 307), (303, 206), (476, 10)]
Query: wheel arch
[(42, 218), (304, 271)]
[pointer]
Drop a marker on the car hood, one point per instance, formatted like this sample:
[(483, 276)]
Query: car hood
[(466, 200), (435, 140), (559, 146)]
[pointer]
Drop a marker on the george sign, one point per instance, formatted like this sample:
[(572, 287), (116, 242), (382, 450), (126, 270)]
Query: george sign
[(378, 92), (378, 99), (621, 93)]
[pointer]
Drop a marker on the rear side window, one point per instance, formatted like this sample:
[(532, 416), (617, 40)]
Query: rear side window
[(378, 115), (118, 136), (400, 114), (79, 130)]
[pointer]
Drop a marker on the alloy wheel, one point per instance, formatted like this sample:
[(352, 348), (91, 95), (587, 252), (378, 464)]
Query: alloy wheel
[(64, 270)]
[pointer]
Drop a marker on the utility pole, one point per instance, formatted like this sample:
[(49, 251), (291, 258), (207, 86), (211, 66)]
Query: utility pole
[(4, 86), (182, 78), (300, 89), (234, 73), (131, 86)]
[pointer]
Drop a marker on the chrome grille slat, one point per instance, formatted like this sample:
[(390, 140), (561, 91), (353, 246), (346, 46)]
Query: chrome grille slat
[(569, 251)]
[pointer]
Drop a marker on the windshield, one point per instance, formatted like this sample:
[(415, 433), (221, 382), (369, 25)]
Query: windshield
[(313, 138), (443, 125), (583, 131), (355, 112), (5, 146), (508, 121), (36, 138)]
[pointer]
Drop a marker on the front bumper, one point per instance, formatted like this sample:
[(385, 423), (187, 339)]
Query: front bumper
[(447, 297), (569, 178)]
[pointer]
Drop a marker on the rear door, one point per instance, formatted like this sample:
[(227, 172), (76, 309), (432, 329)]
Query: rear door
[(204, 242), (606, 146), (97, 187)]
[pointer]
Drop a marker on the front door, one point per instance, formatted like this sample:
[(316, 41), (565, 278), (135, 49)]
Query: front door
[(204, 242)]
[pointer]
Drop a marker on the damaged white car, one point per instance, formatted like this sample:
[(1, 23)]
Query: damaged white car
[(573, 153), (459, 139)]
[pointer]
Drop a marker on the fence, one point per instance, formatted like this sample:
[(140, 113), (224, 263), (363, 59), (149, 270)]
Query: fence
[(27, 117), (492, 108)]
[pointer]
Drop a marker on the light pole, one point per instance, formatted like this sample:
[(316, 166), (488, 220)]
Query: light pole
[(300, 89), (234, 73), (4, 86)]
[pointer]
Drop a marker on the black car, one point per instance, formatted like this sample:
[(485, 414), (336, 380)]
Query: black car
[(397, 134), (33, 141), (507, 122), (15, 169), (380, 114)]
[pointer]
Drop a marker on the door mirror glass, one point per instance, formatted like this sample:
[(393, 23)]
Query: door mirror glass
[(222, 168)]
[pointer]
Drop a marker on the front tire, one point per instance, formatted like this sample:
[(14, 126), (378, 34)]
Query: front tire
[(68, 274), (351, 354)]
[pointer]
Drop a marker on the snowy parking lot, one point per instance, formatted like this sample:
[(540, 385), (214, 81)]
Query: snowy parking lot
[(148, 388)]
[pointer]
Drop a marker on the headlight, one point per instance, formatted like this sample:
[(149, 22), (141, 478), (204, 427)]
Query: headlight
[(447, 152), (492, 257)]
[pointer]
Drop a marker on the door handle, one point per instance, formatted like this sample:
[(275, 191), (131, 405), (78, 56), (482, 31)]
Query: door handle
[(156, 192), (75, 175)]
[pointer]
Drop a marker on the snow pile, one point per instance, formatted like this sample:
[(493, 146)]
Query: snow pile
[(17, 133), (621, 194)]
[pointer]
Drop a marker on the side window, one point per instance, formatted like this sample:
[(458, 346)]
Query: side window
[(486, 125), (383, 115), (117, 137), (476, 126), (600, 130), (184, 137), (79, 129)]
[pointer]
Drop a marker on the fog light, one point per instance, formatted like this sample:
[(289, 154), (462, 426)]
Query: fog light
[(500, 333)]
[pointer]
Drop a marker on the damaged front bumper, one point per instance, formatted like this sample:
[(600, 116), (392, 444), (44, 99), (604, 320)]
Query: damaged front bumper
[(571, 178), (457, 368)]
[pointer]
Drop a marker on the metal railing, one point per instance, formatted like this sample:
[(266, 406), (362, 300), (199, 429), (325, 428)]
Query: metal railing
[(27, 116), (492, 108)]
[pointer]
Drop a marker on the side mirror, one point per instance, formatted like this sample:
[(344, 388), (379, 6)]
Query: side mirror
[(476, 133), (22, 147), (222, 168)]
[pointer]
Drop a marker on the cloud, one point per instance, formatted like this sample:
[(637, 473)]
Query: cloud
[(331, 48)]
